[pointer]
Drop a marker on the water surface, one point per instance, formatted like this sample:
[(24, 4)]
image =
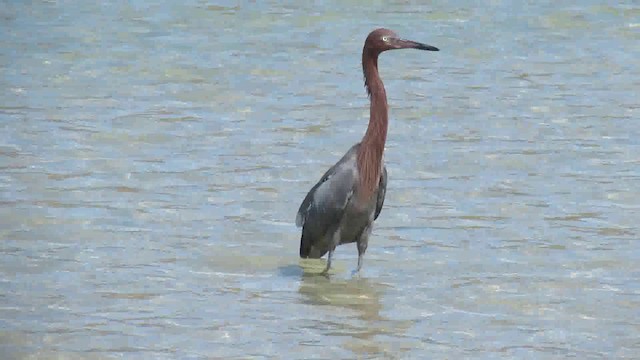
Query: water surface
[(153, 157)]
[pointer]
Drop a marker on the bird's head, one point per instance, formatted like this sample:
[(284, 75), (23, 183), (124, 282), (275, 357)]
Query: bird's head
[(380, 40)]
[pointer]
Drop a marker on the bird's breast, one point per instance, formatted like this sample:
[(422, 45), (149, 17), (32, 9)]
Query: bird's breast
[(364, 203)]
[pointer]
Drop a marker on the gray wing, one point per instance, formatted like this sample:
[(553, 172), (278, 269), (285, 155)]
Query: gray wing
[(324, 205), (341, 167), (382, 191)]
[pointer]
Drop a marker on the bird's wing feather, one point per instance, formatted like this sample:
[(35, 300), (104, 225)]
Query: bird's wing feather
[(330, 195), (382, 191)]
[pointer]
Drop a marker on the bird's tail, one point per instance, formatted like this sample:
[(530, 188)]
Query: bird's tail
[(305, 247), (309, 249)]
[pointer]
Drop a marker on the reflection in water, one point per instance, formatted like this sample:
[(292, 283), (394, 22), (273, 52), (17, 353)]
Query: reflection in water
[(358, 295)]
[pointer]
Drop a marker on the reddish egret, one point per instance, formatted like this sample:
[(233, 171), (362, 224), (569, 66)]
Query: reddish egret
[(343, 205)]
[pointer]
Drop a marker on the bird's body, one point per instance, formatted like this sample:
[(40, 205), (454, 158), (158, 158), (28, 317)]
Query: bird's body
[(334, 207), (343, 205)]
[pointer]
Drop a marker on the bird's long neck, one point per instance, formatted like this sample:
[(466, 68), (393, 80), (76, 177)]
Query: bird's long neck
[(372, 146)]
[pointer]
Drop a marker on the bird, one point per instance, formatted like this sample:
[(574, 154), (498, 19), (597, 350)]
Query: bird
[(342, 206)]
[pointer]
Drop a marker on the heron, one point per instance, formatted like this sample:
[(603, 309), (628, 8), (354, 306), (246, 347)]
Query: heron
[(342, 206)]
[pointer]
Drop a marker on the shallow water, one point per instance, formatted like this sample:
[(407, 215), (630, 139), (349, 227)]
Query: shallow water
[(153, 157)]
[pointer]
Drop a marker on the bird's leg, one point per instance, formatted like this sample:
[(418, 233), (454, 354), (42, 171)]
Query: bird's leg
[(362, 247), (363, 242), (335, 240), (326, 269)]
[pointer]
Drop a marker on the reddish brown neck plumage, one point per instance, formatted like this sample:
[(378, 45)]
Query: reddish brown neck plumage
[(372, 146)]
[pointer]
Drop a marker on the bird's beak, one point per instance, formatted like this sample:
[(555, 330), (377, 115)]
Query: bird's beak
[(408, 44)]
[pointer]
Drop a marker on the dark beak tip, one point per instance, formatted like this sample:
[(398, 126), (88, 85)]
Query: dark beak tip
[(416, 45)]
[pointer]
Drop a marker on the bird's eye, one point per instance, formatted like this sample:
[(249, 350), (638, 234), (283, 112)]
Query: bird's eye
[(385, 38)]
